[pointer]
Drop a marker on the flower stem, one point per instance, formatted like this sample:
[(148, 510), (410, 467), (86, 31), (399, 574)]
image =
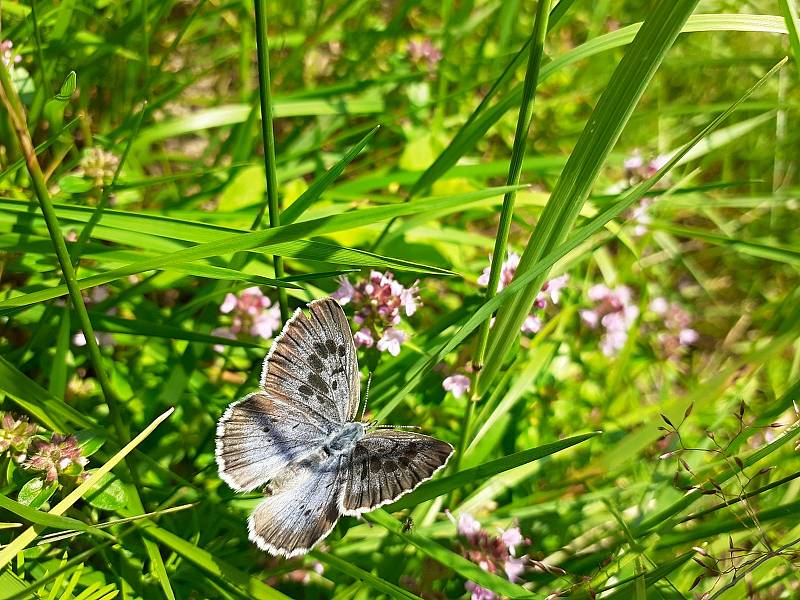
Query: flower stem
[(514, 171), (268, 136)]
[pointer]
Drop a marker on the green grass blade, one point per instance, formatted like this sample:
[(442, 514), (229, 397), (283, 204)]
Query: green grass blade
[(605, 125), (463, 478), (307, 198)]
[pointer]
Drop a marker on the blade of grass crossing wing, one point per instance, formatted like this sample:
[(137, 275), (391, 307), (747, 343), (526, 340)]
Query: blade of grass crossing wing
[(439, 487)]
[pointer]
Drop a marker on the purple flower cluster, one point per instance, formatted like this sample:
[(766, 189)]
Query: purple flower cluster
[(60, 456), (494, 553), (7, 54), (550, 292), (377, 302), (637, 169), (424, 51), (613, 311), (677, 332), (16, 434), (252, 314)]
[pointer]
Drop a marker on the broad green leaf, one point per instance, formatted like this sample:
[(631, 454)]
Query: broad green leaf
[(108, 493), (36, 492)]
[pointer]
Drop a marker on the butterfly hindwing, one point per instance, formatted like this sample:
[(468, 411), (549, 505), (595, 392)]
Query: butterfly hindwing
[(387, 464), (302, 509)]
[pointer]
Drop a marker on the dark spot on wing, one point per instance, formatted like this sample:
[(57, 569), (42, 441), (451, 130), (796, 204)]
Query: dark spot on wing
[(315, 363), (320, 349), (341, 350), (390, 466), (318, 382), (305, 390), (374, 463), (334, 384), (331, 346)]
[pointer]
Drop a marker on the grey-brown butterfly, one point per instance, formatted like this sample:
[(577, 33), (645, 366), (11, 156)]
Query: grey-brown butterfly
[(296, 437)]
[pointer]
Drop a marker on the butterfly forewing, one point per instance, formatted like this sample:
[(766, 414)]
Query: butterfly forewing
[(386, 464), (314, 363)]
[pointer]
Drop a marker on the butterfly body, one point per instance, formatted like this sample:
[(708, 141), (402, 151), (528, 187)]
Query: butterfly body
[(297, 437)]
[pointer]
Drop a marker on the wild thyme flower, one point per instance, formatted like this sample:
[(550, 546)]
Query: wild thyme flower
[(494, 553), (16, 434), (457, 384), (550, 292), (98, 165), (676, 332), (424, 51), (60, 456), (7, 54), (614, 312), (252, 313), (378, 302)]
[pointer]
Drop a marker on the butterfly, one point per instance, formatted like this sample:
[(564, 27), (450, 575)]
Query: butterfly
[(296, 438)]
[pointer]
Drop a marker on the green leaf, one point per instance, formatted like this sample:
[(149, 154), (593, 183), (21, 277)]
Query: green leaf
[(36, 492), (90, 441), (46, 519), (75, 184), (265, 240), (108, 493), (54, 108), (299, 206)]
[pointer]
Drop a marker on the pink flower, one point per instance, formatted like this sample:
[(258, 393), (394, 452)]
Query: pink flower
[(252, 313), (377, 302), (676, 331), (424, 51), (60, 455), (16, 433), (512, 537), (615, 312), (391, 340), (363, 337), (641, 217), (467, 525), (532, 324), (477, 592), (457, 384), (514, 567), (551, 290), (7, 54)]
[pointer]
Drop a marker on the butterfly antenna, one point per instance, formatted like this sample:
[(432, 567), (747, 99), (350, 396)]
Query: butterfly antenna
[(366, 395), (398, 427)]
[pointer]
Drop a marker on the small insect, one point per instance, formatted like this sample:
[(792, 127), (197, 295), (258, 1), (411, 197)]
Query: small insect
[(297, 438), (408, 525)]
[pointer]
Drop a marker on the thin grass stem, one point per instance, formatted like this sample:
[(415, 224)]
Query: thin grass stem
[(268, 136), (506, 213)]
